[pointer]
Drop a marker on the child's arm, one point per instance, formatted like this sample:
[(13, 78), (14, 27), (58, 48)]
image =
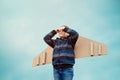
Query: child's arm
[(48, 38), (73, 35)]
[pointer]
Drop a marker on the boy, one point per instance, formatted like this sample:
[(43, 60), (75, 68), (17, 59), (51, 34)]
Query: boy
[(63, 58)]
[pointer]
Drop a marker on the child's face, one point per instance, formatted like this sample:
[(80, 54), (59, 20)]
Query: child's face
[(61, 33)]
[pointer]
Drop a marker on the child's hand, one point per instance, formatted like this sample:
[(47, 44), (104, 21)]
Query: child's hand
[(60, 29), (57, 30)]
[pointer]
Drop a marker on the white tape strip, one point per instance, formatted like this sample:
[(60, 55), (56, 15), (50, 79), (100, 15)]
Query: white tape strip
[(38, 60), (99, 50), (43, 59), (91, 49)]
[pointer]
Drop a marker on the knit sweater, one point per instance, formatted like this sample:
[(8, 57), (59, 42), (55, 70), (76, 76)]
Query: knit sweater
[(63, 48)]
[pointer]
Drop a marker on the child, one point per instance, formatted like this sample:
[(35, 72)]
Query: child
[(63, 58)]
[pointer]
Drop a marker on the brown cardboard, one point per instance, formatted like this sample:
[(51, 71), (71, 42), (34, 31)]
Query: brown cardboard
[(83, 48)]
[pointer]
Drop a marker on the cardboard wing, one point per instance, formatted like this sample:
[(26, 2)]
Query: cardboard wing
[(83, 48)]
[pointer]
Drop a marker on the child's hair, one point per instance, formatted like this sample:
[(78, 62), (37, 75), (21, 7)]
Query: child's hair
[(64, 26)]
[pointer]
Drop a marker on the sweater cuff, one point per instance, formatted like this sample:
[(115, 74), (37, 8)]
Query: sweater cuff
[(66, 29), (53, 31)]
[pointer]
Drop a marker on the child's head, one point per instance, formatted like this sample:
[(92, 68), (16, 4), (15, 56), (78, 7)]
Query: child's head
[(61, 32)]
